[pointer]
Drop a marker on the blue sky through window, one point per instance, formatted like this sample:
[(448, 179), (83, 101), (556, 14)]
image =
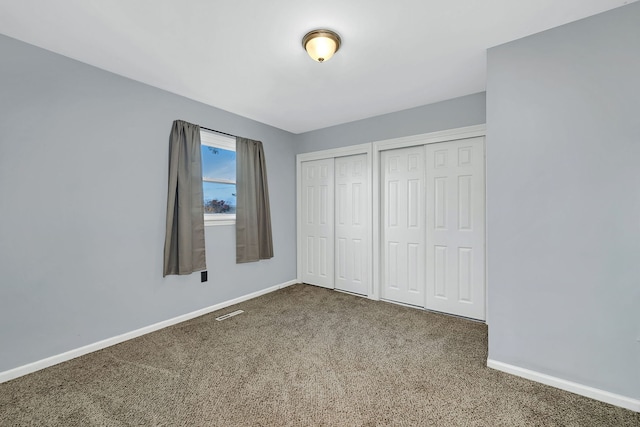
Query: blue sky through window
[(219, 165)]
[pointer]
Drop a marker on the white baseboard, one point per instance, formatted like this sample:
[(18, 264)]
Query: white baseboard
[(583, 390), (72, 354), (289, 283)]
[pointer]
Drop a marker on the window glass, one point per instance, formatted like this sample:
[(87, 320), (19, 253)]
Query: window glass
[(219, 198), (218, 163), (218, 178)]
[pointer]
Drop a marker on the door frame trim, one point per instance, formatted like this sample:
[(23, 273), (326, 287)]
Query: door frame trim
[(410, 141)]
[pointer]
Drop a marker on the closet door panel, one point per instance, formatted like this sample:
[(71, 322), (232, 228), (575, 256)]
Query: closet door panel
[(455, 227), (317, 225), (351, 224), (403, 225)]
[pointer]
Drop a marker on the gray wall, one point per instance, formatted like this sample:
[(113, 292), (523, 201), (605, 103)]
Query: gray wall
[(563, 190), (83, 181), (454, 113)]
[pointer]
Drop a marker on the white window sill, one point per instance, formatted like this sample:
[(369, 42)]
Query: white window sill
[(220, 219)]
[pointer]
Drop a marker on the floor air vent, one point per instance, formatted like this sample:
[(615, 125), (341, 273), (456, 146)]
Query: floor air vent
[(228, 315)]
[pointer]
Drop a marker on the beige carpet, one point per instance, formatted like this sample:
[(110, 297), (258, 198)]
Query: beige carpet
[(302, 356)]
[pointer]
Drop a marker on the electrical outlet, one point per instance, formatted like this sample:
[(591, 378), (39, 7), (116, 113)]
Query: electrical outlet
[(203, 276)]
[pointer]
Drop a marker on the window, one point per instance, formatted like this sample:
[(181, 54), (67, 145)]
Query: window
[(218, 178)]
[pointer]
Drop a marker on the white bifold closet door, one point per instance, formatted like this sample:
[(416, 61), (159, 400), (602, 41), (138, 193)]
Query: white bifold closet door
[(317, 183), (403, 206), (456, 227), (351, 224), (433, 236)]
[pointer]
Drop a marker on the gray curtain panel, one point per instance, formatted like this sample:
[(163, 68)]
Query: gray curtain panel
[(184, 250), (253, 217)]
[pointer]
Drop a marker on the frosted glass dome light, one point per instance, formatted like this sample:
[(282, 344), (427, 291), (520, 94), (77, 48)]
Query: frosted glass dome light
[(321, 44)]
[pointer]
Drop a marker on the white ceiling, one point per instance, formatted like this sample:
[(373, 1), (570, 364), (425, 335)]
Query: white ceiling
[(245, 56)]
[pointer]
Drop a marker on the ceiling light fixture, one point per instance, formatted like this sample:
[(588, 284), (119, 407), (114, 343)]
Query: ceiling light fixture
[(321, 44)]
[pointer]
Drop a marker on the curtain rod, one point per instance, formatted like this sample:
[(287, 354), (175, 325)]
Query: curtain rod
[(217, 131)]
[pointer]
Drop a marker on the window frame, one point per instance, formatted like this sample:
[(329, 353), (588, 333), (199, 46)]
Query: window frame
[(211, 139)]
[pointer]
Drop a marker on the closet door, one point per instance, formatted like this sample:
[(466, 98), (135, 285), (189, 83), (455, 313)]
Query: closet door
[(317, 222), (351, 224), (455, 227), (403, 225)]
